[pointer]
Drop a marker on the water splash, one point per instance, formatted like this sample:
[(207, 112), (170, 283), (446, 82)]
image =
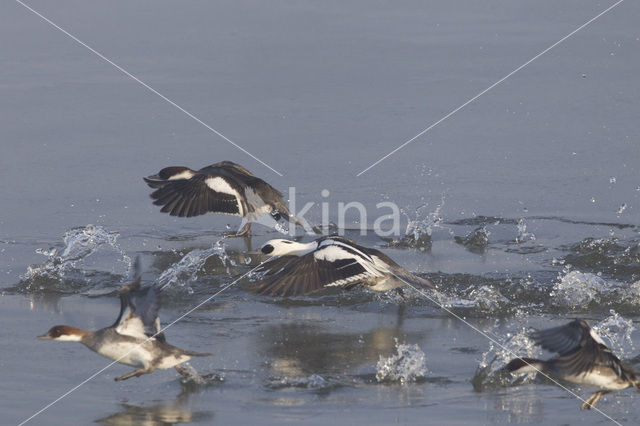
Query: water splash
[(622, 208), (616, 330), (190, 378), (490, 373), (631, 294), (577, 289), (314, 381), (185, 271), (612, 256), (408, 365), (476, 241), (423, 226), (419, 228), (598, 245), (482, 299), (71, 263), (488, 299), (523, 235)]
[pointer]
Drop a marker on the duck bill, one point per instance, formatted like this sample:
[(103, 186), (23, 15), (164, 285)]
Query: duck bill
[(44, 337)]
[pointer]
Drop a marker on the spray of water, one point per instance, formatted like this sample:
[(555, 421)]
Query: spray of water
[(185, 271), (409, 364), (490, 373), (76, 261), (616, 332)]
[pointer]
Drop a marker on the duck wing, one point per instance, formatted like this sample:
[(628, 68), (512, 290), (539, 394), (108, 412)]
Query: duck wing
[(185, 192), (330, 265), (139, 312), (398, 271), (579, 349), (563, 339), (256, 190)]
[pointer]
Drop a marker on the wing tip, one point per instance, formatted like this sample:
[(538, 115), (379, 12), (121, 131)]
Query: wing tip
[(564, 339), (135, 284), (154, 181)]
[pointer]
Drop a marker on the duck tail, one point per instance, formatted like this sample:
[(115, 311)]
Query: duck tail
[(413, 279)]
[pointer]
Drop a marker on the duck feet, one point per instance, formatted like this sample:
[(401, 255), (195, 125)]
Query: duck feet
[(591, 401), (242, 232), (134, 373)]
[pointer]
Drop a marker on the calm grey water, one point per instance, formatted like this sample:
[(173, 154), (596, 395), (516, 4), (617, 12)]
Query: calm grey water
[(545, 166)]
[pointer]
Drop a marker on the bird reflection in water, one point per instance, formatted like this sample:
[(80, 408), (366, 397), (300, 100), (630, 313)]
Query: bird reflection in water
[(164, 413), (46, 302), (299, 350), (512, 407)]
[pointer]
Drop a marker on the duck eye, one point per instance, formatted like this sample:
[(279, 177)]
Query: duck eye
[(267, 249)]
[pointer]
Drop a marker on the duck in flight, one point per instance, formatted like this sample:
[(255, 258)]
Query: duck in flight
[(223, 187), (330, 261), (582, 358), (134, 338)]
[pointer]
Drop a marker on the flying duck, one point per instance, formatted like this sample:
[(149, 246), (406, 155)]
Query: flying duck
[(134, 338), (582, 358), (223, 187), (330, 261)]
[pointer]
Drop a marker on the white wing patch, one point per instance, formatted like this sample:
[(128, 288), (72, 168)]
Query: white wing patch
[(330, 242), (331, 253), (218, 184), (133, 327), (187, 174)]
